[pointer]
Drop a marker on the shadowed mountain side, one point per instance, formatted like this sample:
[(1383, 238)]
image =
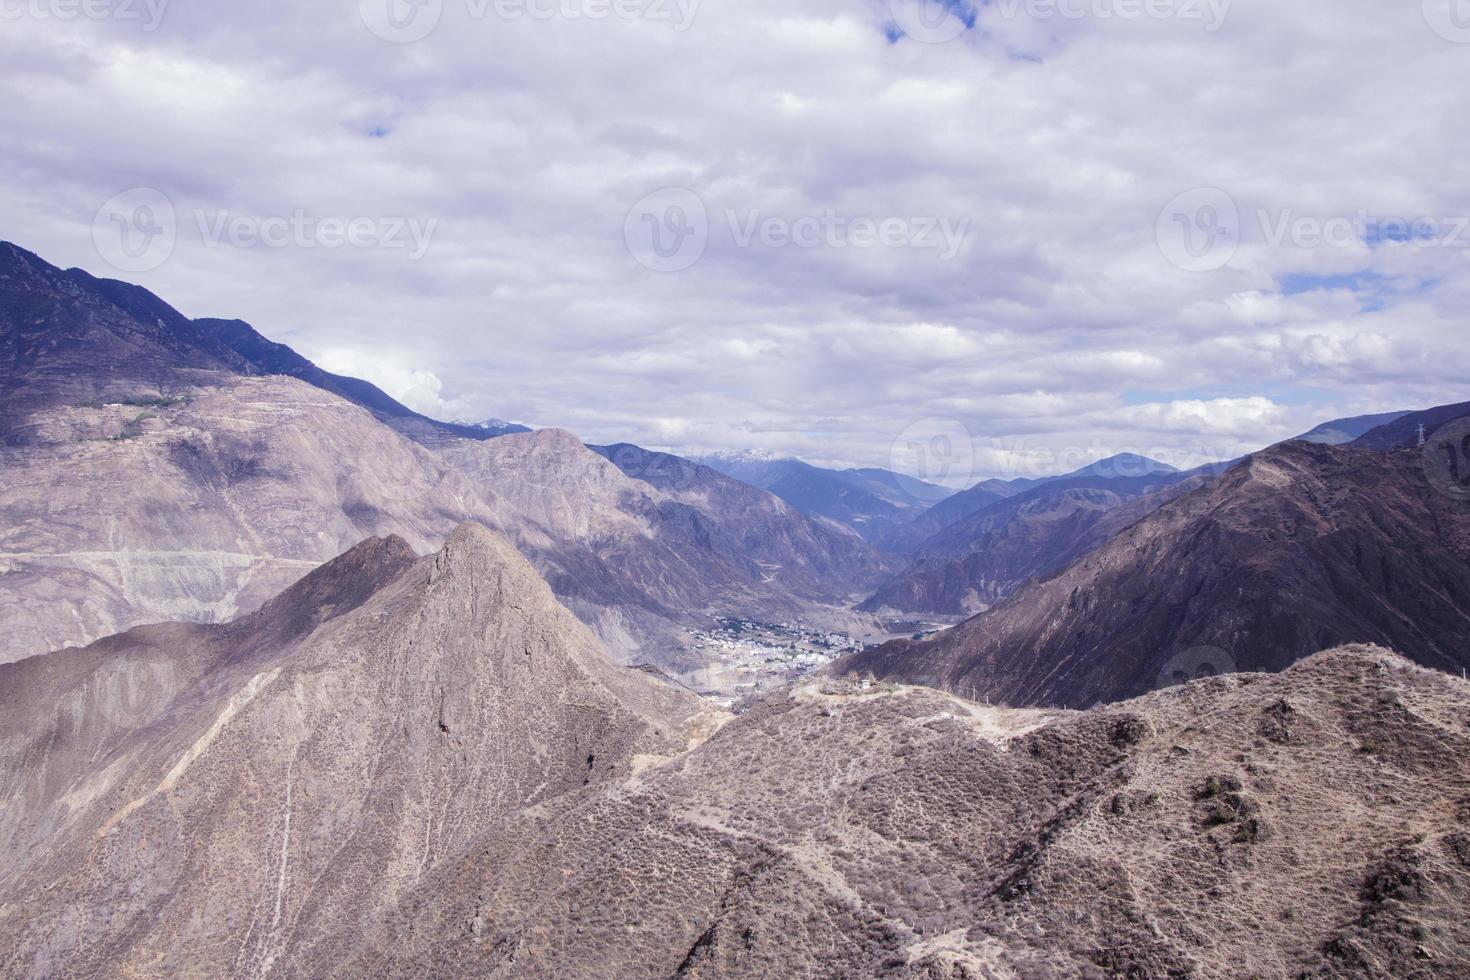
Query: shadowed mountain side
[(68, 338), (1298, 548), (981, 559), (986, 557), (1403, 431), (1126, 473), (1307, 824), (296, 791)]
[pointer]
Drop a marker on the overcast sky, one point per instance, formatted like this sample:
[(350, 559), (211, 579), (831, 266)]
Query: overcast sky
[(852, 230)]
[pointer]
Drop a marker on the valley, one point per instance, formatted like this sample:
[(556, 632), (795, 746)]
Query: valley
[(747, 658)]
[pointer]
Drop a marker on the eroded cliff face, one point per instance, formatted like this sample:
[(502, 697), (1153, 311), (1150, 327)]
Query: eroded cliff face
[(227, 811), (202, 506)]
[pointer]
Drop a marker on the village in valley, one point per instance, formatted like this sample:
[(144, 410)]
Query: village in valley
[(748, 657)]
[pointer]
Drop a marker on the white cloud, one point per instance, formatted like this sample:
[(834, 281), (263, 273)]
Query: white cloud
[(420, 390), (1058, 323)]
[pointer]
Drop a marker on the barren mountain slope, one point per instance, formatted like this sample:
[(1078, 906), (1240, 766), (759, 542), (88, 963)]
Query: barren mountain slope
[(1299, 548), (644, 555), (1312, 823), (201, 508), (812, 556), (60, 714), (295, 792)]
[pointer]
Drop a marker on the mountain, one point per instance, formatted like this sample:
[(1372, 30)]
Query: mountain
[(68, 336), (911, 537), (1298, 548), (201, 505), (868, 501), (897, 488), (905, 538), (495, 427), (1403, 432), (226, 800), (968, 564), (1342, 431), (1307, 824)]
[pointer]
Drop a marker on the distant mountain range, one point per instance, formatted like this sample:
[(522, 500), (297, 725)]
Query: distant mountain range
[(868, 501)]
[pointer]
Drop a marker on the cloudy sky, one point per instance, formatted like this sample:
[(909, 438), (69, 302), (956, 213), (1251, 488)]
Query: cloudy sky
[(957, 240)]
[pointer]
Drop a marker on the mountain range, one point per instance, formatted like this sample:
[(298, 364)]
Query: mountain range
[(159, 468), (870, 502), (1296, 549), (427, 767)]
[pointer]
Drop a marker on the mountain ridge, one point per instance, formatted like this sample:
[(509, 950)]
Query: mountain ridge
[(1300, 547)]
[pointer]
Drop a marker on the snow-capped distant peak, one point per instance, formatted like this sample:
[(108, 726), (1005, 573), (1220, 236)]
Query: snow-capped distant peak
[(749, 456), (483, 424)]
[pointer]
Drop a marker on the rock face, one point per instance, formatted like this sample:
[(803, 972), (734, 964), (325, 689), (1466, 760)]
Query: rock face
[(226, 800), (1307, 824), (1299, 548)]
